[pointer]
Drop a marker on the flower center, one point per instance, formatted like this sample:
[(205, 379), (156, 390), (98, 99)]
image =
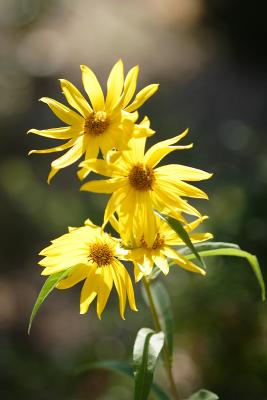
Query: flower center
[(101, 254), (141, 177), (158, 242), (96, 123)]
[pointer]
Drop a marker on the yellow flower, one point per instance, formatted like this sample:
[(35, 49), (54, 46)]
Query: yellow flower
[(138, 187), (164, 246), (103, 124), (93, 256)]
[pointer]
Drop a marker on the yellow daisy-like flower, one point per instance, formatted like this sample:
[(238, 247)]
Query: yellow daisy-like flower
[(164, 247), (93, 256), (101, 125), (138, 186)]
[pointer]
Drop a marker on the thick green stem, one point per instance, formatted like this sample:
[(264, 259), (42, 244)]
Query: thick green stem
[(166, 355)]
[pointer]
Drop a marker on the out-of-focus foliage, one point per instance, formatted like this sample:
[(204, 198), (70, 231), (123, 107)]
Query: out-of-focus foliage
[(206, 57)]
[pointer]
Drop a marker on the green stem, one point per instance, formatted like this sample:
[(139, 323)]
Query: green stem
[(166, 355)]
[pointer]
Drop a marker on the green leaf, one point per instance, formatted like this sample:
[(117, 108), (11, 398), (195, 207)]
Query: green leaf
[(209, 246), (47, 288), (163, 306), (253, 261), (181, 232), (124, 369), (147, 347), (203, 395)]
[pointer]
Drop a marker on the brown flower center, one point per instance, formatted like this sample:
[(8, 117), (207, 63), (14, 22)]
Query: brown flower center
[(101, 254), (141, 177), (158, 242), (96, 123)]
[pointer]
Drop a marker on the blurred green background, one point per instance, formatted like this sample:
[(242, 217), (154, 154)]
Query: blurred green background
[(210, 59)]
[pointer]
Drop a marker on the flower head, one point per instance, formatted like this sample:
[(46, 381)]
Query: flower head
[(139, 187), (93, 257), (164, 247), (102, 124)]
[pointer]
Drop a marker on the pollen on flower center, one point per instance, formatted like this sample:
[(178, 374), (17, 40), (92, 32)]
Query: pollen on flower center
[(158, 242), (141, 177), (101, 254), (96, 123)]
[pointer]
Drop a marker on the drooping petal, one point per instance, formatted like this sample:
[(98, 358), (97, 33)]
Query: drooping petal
[(130, 85), (64, 113), (61, 147), (162, 263), (102, 167), (89, 290), (180, 188), (114, 85), (105, 286), (93, 88), (121, 289), (142, 97), (75, 98), (90, 154), (182, 261), (138, 274), (143, 129), (113, 204)]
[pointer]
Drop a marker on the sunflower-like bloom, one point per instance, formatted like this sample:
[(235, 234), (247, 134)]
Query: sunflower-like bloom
[(93, 256), (164, 247), (103, 124), (139, 187)]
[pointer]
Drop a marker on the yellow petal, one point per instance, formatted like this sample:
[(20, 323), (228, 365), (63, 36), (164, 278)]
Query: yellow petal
[(120, 287), (138, 274), (105, 286), (90, 154), (114, 85), (89, 290), (102, 167), (61, 147), (93, 88), (182, 261), (66, 132), (72, 155), (75, 98), (162, 263), (130, 85), (179, 188), (113, 204), (79, 273), (183, 173), (64, 113), (104, 185), (142, 97), (143, 129), (155, 154)]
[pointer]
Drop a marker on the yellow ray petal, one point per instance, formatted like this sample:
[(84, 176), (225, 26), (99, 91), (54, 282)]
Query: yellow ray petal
[(121, 289), (93, 88), (105, 286), (79, 273), (61, 147), (75, 98), (114, 85), (102, 167), (162, 263), (137, 149), (183, 173), (143, 129), (155, 154), (104, 185), (64, 113), (182, 261), (90, 154), (142, 97), (66, 132), (138, 274), (114, 202), (89, 290), (72, 155), (130, 85), (180, 188)]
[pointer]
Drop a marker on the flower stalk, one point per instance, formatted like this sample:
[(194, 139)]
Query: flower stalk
[(165, 353)]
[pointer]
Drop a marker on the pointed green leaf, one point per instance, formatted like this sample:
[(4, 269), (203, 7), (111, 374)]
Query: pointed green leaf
[(162, 303), (47, 288), (125, 369), (253, 261), (181, 232), (209, 246), (203, 395), (147, 347)]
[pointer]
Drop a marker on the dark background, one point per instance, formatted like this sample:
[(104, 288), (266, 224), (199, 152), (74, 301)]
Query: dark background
[(210, 59)]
